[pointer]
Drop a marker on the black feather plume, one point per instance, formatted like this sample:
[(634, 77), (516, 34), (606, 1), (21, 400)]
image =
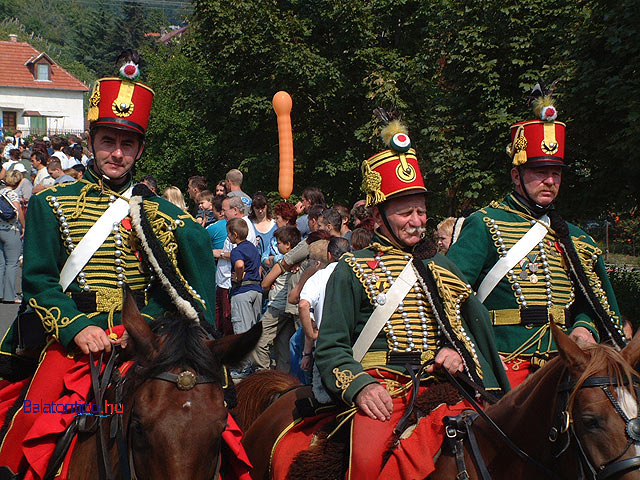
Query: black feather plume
[(128, 55)]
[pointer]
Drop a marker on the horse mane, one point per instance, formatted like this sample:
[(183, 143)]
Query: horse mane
[(258, 391), (181, 344), (607, 358)]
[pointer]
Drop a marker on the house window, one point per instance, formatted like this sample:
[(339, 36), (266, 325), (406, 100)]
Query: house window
[(9, 121), (38, 125), (42, 72)]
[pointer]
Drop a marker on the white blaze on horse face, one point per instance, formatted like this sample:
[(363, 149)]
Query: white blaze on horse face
[(186, 405), (629, 407)]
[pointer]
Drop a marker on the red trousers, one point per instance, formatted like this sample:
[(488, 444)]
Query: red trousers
[(518, 371), (61, 380)]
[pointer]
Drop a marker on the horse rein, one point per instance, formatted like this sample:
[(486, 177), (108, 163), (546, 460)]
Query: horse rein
[(460, 427), (614, 467)]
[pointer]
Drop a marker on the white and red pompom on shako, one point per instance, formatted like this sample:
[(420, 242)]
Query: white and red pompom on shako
[(548, 113), (400, 142), (130, 71)]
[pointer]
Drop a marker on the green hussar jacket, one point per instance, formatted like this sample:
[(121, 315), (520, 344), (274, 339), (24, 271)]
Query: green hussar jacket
[(538, 286), (351, 296), (60, 216)]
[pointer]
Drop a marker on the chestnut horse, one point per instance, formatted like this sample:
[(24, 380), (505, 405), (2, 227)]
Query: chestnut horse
[(172, 421), (528, 415)]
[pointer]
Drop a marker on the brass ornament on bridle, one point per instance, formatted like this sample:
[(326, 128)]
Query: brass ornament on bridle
[(186, 380)]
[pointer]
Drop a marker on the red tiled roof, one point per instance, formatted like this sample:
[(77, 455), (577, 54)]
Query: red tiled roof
[(15, 73)]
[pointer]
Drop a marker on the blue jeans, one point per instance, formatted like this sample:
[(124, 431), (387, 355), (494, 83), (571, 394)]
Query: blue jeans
[(10, 247), (296, 348)]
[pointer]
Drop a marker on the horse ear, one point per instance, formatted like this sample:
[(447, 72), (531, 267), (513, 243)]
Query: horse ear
[(631, 352), (141, 339), (233, 348), (569, 350)]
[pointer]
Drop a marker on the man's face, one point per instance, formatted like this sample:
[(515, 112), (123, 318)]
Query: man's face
[(228, 212), (542, 183), (322, 225), (407, 217), (192, 191), (115, 151), (313, 224), (55, 172), (34, 162)]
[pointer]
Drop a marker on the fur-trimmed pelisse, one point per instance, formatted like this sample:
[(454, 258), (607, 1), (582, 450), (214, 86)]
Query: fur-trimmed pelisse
[(157, 258)]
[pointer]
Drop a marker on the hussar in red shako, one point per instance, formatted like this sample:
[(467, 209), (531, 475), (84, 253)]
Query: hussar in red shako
[(83, 242), (398, 304), (527, 264)]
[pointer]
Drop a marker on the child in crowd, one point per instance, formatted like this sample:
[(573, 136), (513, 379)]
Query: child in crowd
[(275, 330), (205, 203), (246, 291)]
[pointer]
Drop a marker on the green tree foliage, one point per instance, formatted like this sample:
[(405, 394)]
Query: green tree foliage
[(603, 98), (458, 70)]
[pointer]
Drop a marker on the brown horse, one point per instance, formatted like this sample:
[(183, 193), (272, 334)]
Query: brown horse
[(527, 415), (172, 421)]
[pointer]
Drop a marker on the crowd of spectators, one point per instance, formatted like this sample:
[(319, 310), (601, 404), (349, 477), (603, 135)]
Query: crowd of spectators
[(265, 252), (28, 167)]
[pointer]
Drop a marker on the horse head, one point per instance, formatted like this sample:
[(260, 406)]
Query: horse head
[(597, 409), (176, 412)]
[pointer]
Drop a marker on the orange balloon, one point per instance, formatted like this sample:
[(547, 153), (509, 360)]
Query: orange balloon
[(282, 105)]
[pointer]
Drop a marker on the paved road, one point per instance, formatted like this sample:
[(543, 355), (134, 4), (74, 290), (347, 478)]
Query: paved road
[(7, 315), (8, 311)]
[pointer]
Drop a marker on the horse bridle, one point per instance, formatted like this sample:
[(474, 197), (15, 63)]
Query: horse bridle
[(614, 467), (185, 380), (460, 427)]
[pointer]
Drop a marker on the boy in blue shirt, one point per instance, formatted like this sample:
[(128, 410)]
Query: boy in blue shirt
[(246, 289)]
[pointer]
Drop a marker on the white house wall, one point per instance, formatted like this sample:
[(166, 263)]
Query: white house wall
[(64, 104)]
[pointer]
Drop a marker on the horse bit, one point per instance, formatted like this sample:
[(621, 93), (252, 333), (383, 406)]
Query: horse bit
[(459, 428)]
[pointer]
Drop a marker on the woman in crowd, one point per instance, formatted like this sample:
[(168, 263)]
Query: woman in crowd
[(221, 188), (285, 214), (24, 188), (260, 216), (10, 239), (174, 195)]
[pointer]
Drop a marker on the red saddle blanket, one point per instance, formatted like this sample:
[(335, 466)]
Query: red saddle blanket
[(411, 456), (38, 423)]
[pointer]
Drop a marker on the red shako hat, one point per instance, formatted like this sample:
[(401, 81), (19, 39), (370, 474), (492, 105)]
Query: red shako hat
[(393, 172), (540, 142), (121, 102)]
